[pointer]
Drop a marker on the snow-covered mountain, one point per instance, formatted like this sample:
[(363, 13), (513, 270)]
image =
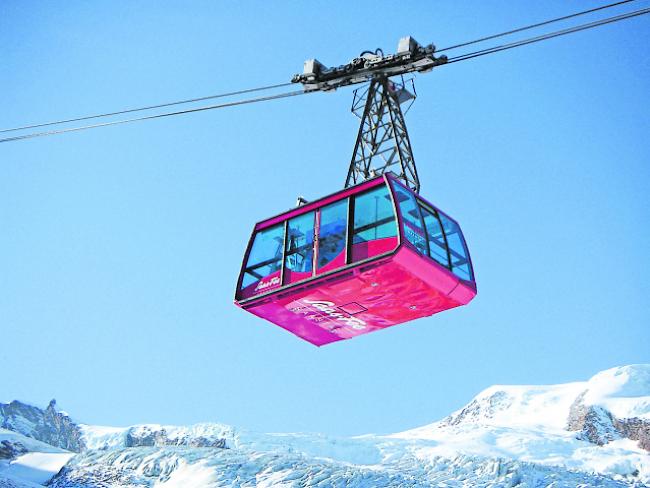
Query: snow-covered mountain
[(591, 433), (601, 425), (49, 425)]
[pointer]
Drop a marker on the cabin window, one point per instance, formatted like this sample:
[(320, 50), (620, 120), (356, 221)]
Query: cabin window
[(457, 250), (332, 236), (299, 252), (264, 262), (411, 218), (435, 237), (375, 230)]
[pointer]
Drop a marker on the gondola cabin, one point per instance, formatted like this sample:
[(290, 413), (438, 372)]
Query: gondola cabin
[(365, 258)]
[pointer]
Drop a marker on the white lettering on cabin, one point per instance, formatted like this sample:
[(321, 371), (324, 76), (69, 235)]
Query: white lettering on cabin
[(329, 309), (263, 285)]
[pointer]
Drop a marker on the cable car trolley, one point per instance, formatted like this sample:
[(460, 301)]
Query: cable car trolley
[(374, 254)]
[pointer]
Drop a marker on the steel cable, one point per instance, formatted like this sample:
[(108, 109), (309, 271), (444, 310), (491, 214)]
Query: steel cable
[(532, 26), (150, 107), (550, 35), (156, 116)]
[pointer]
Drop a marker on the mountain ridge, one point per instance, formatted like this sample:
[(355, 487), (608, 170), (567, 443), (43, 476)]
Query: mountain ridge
[(586, 433)]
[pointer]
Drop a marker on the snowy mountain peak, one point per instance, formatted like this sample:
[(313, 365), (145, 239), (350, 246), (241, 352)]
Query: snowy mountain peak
[(624, 391), (518, 405), (47, 425), (614, 405), (621, 392), (553, 422)]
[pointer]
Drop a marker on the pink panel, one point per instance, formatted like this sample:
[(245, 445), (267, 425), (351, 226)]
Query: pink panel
[(464, 292), (294, 276), (364, 250), (428, 271), (399, 289), (337, 262)]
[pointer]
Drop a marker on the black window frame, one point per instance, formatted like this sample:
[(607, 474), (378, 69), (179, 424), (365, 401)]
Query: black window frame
[(418, 206), (249, 269), (287, 253), (466, 257), (349, 229), (436, 212), (352, 231), (436, 215), (450, 251)]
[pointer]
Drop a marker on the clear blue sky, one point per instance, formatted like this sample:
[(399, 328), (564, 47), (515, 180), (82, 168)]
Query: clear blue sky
[(120, 247)]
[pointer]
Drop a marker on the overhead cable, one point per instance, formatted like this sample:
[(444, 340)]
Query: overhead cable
[(156, 116), (533, 26), (150, 107), (550, 35)]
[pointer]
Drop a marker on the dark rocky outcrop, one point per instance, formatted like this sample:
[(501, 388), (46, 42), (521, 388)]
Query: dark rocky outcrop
[(480, 409), (593, 424), (49, 426), (146, 437), (636, 429), (598, 426), (10, 450)]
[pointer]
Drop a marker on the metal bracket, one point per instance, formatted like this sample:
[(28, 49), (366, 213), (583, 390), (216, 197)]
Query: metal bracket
[(410, 57)]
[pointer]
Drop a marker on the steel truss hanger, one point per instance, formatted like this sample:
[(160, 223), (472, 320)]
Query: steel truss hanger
[(382, 142)]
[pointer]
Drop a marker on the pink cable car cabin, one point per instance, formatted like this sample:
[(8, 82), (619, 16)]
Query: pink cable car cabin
[(362, 259)]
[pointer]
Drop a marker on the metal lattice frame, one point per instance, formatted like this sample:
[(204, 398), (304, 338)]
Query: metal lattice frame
[(382, 142)]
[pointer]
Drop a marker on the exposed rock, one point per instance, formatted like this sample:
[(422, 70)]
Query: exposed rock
[(480, 409), (594, 423), (598, 426), (145, 436), (635, 429), (49, 425), (10, 450), (205, 442)]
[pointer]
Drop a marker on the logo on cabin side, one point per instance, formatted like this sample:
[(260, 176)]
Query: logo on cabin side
[(263, 285), (329, 310)]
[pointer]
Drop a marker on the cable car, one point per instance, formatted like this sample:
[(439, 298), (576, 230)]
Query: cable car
[(365, 258)]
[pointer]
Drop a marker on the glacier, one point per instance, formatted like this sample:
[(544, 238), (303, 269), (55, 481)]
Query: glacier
[(581, 434)]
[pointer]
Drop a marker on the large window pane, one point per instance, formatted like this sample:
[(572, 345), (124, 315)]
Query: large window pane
[(332, 236), (264, 261), (459, 260), (437, 246), (300, 248), (411, 218), (375, 230)]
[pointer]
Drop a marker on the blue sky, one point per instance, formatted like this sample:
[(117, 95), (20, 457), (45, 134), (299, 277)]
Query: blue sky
[(120, 247)]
